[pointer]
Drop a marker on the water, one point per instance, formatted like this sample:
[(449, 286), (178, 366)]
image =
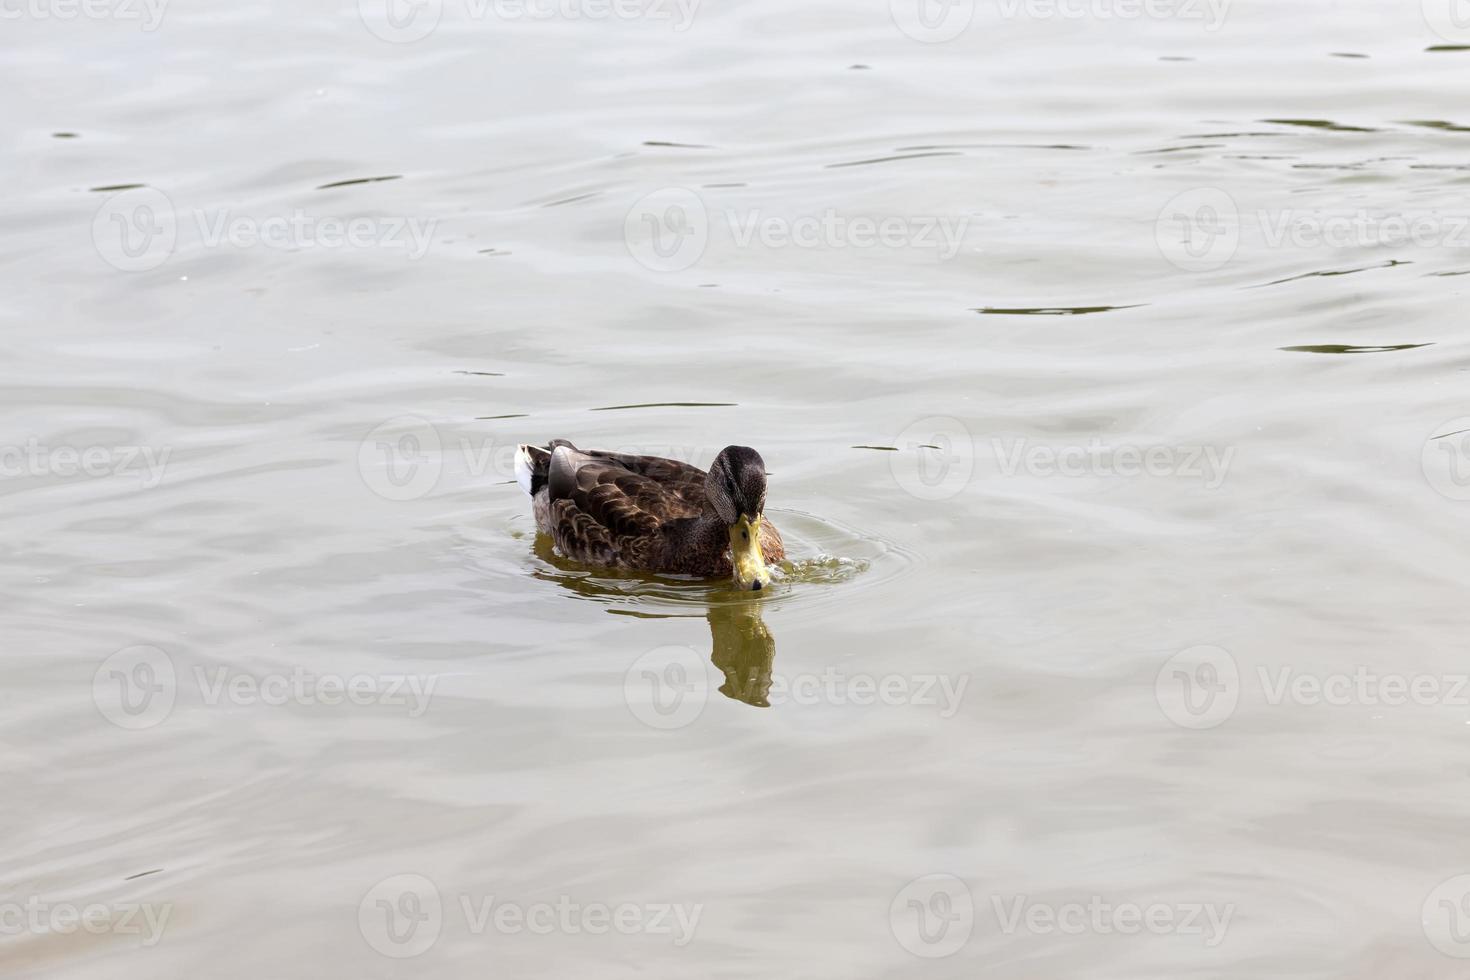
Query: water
[(1167, 625)]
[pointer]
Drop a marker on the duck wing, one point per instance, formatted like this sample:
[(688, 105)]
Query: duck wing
[(680, 479), (610, 508)]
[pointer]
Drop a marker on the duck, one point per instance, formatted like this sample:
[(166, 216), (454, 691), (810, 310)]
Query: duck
[(651, 514)]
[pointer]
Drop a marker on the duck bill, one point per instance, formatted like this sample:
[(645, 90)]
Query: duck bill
[(745, 553)]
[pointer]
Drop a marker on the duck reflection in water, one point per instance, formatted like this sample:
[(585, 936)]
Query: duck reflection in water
[(743, 648)]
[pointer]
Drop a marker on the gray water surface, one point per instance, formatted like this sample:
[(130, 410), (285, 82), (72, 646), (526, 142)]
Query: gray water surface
[(1110, 374)]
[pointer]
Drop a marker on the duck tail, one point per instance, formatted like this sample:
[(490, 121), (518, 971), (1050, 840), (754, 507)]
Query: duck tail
[(533, 465)]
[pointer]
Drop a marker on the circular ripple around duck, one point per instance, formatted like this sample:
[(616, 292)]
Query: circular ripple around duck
[(824, 559)]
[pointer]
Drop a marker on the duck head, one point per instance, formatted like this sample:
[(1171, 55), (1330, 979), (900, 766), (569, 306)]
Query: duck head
[(736, 489)]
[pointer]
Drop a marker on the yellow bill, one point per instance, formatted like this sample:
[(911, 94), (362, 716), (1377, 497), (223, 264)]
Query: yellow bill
[(745, 552)]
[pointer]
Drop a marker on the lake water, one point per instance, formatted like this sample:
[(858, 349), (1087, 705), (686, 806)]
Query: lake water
[(1108, 362)]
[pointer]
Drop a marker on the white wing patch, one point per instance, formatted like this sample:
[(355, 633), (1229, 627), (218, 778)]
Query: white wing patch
[(523, 468)]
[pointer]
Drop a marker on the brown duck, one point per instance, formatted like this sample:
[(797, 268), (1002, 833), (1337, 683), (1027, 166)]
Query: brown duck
[(654, 514)]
